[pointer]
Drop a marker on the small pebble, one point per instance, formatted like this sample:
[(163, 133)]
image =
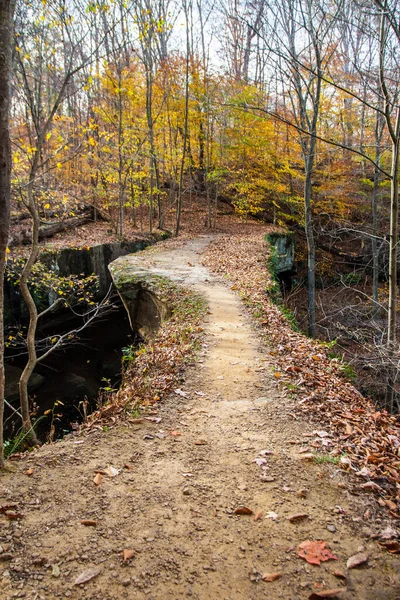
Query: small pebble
[(331, 528)]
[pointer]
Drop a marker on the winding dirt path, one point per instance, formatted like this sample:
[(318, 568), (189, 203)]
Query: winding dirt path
[(238, 445)]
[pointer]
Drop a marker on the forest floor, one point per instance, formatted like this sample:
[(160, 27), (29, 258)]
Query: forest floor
[(226, 439)]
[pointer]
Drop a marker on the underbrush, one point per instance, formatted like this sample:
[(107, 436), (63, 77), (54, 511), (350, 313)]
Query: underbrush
[(155, 367)]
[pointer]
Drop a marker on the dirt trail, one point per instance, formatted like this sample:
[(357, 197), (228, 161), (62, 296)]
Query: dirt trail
[(175, 505)]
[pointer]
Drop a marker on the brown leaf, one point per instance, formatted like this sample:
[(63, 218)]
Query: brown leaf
[(200, 443), (175, 433), (391, 546), (136, 421), (371, 485), (89, 522), (127, 554), (243, 510), (339, 574), (30, 472), (298, 517), (357, 560), (98, 479), (315, 552), (258, 515), (391, 505), (13, 515), (5, 507), (349, 429), (271, 576), (333, 593), (87, 575)]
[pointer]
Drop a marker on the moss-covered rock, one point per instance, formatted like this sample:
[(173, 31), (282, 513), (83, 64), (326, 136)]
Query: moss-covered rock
[(143, 295)]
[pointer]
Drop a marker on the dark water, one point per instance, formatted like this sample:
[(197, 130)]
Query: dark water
[(77, 374)]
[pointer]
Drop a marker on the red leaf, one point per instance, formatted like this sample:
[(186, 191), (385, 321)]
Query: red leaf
[(315, 552)]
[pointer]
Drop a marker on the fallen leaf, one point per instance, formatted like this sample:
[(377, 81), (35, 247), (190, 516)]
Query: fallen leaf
[(298, 517), (89, 522), (13, 515), (136, 421), (200, 443), (271, 576), (315, 552), (243, 510), (357, 560), (181, 393), (371, 485), (364, 472), (127, 554), (98, 479), (339, 574), (321, 434), (391, 546), (5, 507), (30, 472), (391, 505), (87, 575), (271, 515), (175, 433), (111, 471), (333, 593), (349, 429), (258, 515)]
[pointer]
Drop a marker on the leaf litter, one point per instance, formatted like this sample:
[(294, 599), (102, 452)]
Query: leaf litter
[(351, 423)]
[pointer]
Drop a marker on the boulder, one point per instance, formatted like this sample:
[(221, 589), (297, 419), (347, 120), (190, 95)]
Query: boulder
[(12, 377)]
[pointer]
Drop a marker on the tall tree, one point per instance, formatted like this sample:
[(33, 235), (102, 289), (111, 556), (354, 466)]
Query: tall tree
[(6, 13)]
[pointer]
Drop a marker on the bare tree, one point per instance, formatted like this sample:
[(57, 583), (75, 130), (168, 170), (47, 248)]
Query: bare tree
[(6, 14), (43, 79)]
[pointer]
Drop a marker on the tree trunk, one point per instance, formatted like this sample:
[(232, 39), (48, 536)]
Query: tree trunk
[(393, 244), (185, 131), (310, 245), (6, 10), (33, 313)]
